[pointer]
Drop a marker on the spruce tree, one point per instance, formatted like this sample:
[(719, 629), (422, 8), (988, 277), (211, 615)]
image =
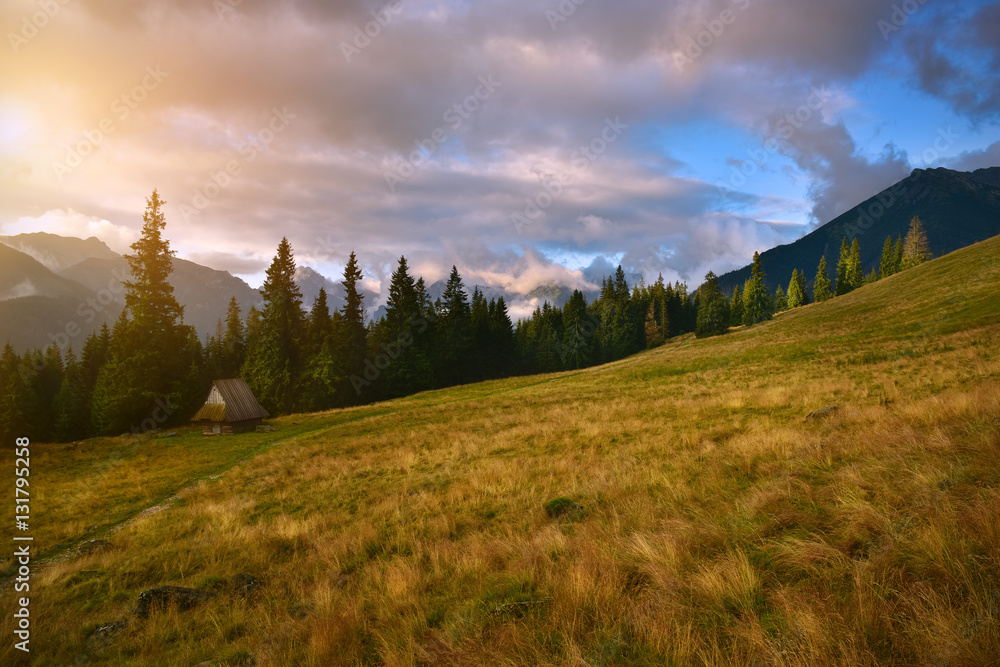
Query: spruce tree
[(842, 285), (479, 320), (150, 351), (898, 255), (576, 346), (501, 339), (855, 273), (780, 299), (402, 326), (274, 360), (455, 336), (821, 286), (795, 292), (758, 305), (916, 248), (233, 341), (13, 417), (736, 308), (353, 345), (887, 264), (713, 316)]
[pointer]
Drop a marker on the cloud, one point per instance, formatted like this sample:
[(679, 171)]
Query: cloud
[(235, 264), (321, 180), (73, 223)]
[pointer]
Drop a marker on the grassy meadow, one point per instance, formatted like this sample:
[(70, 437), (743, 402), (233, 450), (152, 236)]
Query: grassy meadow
[(705, 520)]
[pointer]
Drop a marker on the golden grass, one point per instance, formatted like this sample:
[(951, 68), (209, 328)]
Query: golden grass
[(718, 526)]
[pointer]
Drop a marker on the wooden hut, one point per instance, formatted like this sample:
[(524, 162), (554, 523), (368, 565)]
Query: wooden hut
[(230, 408)]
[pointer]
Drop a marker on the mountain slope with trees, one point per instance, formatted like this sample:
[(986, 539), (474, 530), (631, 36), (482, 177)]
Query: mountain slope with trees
[(957, 210)]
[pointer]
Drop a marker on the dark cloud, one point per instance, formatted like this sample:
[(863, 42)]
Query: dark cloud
[(356, 117)]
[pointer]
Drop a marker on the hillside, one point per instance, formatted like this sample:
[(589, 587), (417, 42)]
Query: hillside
[(675, 507), (957, 209)]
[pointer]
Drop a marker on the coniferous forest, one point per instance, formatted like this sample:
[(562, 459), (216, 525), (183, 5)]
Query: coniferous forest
[(151, 370)]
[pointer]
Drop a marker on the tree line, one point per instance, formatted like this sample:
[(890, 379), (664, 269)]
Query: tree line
[(754, 303), (151, 370)]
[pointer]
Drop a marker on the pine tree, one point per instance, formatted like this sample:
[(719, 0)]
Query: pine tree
[(898, 255), (13, 417), (353, 345), (855, 274), (736, 308), (757, 303), (821, 286), (151, 350), (479, 320), (402, 326), (233, 341), (916, 248), (501, 341), (887, 264), (713, 318), (842, 285), (274, 360), (796, 296), (575, 349), (320, 325), (802, 287), (455, 336), (780, 299)]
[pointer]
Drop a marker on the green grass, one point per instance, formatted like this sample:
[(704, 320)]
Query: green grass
[(673, 508)]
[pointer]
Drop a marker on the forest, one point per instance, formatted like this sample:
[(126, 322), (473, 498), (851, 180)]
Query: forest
[(151, 371)]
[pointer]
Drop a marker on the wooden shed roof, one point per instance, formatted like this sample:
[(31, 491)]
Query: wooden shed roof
[(230, 401)]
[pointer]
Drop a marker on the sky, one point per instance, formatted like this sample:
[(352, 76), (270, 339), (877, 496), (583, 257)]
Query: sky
[(527, 142)]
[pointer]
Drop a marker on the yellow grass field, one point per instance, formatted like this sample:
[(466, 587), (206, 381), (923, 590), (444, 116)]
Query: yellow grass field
[(705, 520)]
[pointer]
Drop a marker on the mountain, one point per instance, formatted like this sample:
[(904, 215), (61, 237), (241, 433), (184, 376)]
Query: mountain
[(53, 284), (957, 209), (38, 307), (57, 253)]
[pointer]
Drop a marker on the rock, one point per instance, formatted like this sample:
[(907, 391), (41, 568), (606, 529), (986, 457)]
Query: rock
[(245, 584), (103, 635), (265, 428), (165, 596), (168, 434), (93, 547), (823, 412)]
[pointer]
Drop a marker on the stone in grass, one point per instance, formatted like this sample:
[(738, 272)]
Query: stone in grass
[(822, 413), (93, 547), (165, 596), (245, 584), (563, 509), (103, 635), (265, 428)]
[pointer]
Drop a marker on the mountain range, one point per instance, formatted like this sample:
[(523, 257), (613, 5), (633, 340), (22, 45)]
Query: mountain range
[(957, 209), (59, 289)]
